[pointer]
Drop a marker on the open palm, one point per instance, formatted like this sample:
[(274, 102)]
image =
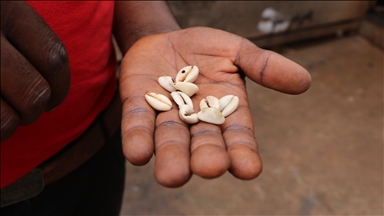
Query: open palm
[(204, 149)]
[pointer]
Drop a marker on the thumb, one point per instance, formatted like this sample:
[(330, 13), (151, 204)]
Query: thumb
[(272, 70)]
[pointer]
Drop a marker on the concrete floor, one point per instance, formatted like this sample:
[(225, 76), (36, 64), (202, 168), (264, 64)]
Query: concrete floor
[(322, 150)]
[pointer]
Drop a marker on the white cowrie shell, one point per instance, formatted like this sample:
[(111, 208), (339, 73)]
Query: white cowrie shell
[(186, 113), (210, 101), (213, 102), (187, 74), (211, 115), (167, 83), (158, 101), (203, 104), (187, 88), (224, 101), (181, 99), (228, 104)]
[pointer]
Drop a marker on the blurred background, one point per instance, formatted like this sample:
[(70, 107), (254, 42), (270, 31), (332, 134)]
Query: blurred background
[(322, 150)]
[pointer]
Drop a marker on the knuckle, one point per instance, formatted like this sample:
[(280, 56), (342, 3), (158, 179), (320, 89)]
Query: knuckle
[(170, 124), (38, 99), (205, 132), (41, 97), (34, 103)]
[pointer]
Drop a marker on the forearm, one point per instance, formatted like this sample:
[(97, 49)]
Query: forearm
[(136, 19)]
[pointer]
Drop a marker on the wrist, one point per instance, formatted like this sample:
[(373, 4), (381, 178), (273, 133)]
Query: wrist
[(135, 20), (138, 33)]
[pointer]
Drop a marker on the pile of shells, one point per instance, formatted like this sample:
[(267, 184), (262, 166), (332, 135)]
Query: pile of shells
[(212, 109)]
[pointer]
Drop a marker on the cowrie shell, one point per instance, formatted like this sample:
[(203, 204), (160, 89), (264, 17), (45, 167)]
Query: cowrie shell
[(187, 88), (181, 99), (228, 104), (186, 113), (158, 101), (167, 83), (213, 102), (211, 115), (210, 101), (203, 104), (187, 74)]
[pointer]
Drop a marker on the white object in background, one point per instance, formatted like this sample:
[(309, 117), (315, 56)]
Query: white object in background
[(273, 21), (272, 14)]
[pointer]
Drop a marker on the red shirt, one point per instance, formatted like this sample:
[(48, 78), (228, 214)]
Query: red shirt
[(85, 29)]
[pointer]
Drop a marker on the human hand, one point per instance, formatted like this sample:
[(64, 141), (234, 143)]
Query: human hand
[(34, 67), (204, 149)]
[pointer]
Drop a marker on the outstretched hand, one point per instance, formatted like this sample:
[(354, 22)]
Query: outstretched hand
[(203, 149)]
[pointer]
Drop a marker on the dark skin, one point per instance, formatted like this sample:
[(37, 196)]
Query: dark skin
[(154, 45), (30, 83)]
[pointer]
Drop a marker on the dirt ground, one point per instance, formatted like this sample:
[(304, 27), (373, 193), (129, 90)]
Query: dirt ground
[(322, 150)]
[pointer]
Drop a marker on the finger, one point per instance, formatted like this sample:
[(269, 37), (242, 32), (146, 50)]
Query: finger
[(238, 133), (209, 156), (35, 40), (22, 87), (9, 120), (272, 70), (138, 117), (172, 139), (137, 128)]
